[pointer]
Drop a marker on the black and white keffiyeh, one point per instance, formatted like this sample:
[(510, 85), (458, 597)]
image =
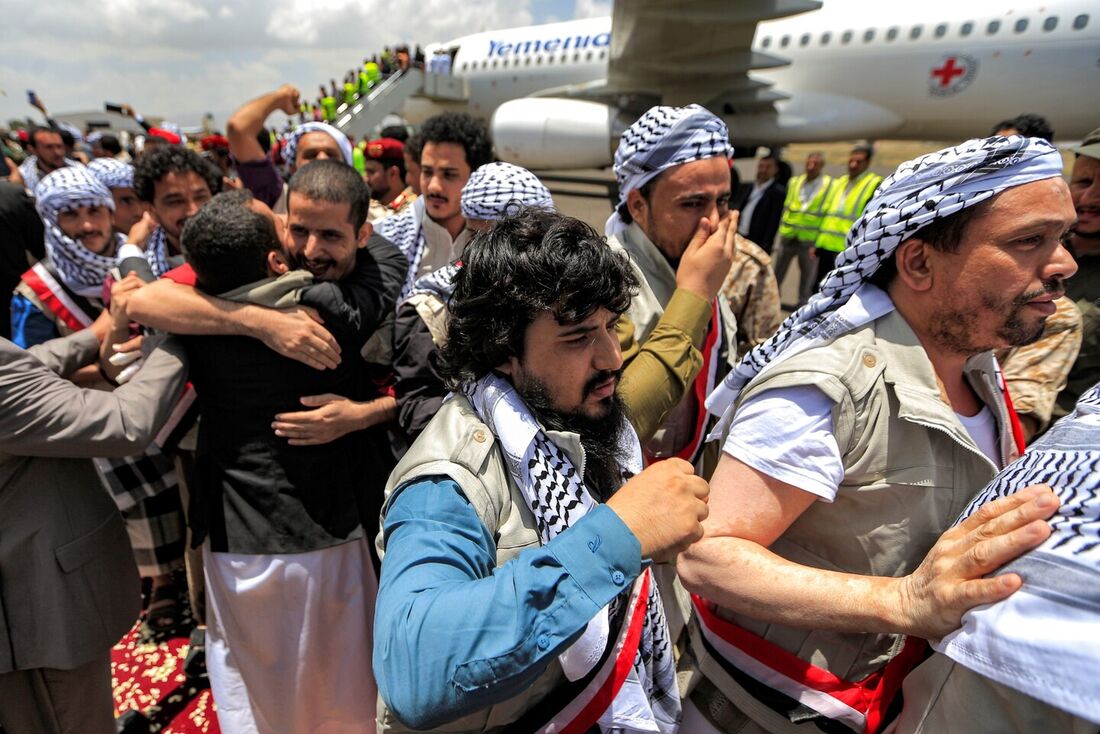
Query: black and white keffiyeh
[(113, 173), (290, 145), (1043, 639), (440, 283), (28, 169), (918, 193), (406, 230), (497, 190), (554, 490), (63, 190), (662, 138)]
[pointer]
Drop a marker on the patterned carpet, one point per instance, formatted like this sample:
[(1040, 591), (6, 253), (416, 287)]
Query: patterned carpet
[(149, 679)]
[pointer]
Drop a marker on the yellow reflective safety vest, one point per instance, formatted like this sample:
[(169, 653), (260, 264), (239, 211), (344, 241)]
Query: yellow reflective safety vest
[(801, 223), (372, 71), (841, 210), (328, 107)]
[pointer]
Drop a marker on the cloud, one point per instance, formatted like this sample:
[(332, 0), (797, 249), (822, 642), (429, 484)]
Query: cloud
[(182, 58)]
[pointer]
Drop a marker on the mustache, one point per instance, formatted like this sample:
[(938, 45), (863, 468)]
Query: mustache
[(85, 235), (1054, 287), (600, 378)]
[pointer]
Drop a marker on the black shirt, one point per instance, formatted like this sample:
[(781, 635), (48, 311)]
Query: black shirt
[(21, 232)]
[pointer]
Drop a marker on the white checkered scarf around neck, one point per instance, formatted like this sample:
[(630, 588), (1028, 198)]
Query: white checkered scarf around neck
[(555, 493), (918, 193), (113, 173), (290, 145), (663, 138), (28, 169), (497, 190), (405, 229)]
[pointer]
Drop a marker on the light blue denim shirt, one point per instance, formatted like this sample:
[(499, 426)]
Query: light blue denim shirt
[(455, 634)]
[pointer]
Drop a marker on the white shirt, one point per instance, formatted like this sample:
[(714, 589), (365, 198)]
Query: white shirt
[(750, 206), (983, 429)]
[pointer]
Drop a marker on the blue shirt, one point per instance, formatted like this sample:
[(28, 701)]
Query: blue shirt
[(454, 633), (29, 326)]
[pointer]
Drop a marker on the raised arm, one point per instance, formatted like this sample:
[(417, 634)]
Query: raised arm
[(181, 309), (245, 124)]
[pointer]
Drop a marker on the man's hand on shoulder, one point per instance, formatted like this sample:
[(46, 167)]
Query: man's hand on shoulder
[(664, 507), (952, 578), (298, 333)]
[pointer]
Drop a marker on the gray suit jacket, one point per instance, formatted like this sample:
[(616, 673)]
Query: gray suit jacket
[(69, 588)]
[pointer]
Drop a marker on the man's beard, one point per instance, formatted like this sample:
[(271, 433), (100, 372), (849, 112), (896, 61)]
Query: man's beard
[(952, 328), (604, 457)]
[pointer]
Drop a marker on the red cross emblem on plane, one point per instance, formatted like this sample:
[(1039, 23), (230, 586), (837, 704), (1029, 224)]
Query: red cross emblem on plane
[(952, 74)]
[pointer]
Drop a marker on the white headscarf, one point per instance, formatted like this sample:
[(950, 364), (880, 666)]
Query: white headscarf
[(662, 138), (918, 193), (290, 146), (496, 190), (63, 190), (113, 173)]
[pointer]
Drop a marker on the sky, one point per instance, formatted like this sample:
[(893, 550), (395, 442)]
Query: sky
[(179, 59)]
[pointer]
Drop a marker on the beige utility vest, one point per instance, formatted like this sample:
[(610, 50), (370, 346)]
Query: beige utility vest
[(457, 444), (910, 468)]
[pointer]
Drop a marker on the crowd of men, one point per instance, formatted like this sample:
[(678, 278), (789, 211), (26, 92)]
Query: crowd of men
[(438, 457)]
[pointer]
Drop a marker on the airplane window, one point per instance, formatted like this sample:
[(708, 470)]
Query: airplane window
[(527, 61), (785, 41), (550, 59), (603, 54), (1080, 22), (1021, 25), (825, 38), (965, 28), (1050, 23), (538, 61), (892, 34), (846, 37), (504, 63), (941, 30), (588, 56), (993, 27), (463, 66), (494, 63), (805, 40), (914, 32), (869, 35), (767, 42), (564, 58)]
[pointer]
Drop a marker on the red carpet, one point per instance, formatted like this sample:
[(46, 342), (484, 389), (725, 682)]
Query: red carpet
[(149, 677)]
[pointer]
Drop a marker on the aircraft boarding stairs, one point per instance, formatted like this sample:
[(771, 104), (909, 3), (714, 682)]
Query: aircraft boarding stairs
[(360, 118)]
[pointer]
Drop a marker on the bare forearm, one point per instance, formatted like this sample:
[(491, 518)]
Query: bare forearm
[(377, 411), (747, 578), (180, 309), (243, 126)]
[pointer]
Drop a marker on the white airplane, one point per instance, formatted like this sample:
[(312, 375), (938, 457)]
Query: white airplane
[(778, 71)]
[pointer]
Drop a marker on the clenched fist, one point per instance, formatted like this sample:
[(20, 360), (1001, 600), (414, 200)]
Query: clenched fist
[(664, 507)]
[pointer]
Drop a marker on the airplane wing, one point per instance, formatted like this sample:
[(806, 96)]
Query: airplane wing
[(669, 52)]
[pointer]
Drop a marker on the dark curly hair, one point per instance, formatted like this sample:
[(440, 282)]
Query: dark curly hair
[(154, 166), (460, 128), (528, 263), (227, 242)]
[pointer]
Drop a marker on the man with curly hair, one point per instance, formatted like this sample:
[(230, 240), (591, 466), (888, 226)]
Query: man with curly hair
[(432, 232), (175, 182), (491, 617)]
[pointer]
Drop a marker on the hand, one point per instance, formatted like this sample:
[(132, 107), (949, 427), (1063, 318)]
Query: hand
[(664, 507), (298, 333), (14, 175), (228, 184), (127, 356), (332, 416), (142, 229), (950, 580), (707, 260), (120, 296), (288, 99)]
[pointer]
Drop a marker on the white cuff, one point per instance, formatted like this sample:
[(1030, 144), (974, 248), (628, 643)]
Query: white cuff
[(130, 250)]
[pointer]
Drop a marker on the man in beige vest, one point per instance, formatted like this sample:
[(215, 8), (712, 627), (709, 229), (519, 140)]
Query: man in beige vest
[(854, 439), (515, 593)]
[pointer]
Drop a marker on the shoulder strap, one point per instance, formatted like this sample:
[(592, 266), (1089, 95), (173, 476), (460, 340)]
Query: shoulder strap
[(74, 310)]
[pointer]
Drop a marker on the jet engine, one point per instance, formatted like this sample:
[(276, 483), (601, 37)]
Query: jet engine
[(544, 132)]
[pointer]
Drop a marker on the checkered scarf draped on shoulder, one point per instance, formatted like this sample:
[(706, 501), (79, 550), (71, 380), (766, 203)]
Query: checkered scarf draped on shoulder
[(662, 138), (290, 145), (497, 190), (918, 193)]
